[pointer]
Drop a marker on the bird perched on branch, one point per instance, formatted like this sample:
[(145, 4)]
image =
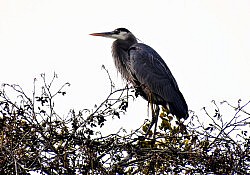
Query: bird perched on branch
[(144, 68)]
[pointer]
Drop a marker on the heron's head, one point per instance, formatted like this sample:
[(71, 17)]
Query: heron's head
[(120, 34)]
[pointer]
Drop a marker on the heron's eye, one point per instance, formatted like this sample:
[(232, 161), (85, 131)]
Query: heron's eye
[(116, 31)]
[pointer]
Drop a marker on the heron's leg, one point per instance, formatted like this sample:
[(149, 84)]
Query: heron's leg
[(156, 115), (152, 109)]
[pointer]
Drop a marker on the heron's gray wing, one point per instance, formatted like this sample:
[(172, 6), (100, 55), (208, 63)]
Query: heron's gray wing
[(151, 71)]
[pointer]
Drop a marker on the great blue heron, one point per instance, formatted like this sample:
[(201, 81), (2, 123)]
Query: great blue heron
[(143, 67)]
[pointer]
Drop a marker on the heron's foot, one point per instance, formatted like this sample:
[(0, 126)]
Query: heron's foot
[(149, 128)]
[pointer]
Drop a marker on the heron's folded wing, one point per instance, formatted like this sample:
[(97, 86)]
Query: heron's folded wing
[(151, 71)]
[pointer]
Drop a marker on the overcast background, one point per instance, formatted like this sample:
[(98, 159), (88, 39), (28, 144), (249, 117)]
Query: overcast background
[(205, 43)]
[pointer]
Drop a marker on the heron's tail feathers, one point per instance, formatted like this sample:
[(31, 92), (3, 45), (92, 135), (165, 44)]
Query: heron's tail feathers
[(179, 108)]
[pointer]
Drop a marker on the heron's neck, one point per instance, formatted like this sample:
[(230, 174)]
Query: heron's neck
[(125, 44), (120, 47), (121, 57)]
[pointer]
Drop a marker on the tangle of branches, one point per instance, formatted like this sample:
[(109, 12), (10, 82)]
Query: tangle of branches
[(34, 138)]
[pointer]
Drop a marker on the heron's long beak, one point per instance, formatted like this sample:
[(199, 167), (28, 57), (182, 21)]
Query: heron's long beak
[(103, 34)]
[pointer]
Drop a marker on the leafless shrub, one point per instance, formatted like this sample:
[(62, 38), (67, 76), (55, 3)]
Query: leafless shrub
[(35, 138)]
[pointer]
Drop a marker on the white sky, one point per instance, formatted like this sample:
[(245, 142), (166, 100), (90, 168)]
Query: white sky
[(205, 43)]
